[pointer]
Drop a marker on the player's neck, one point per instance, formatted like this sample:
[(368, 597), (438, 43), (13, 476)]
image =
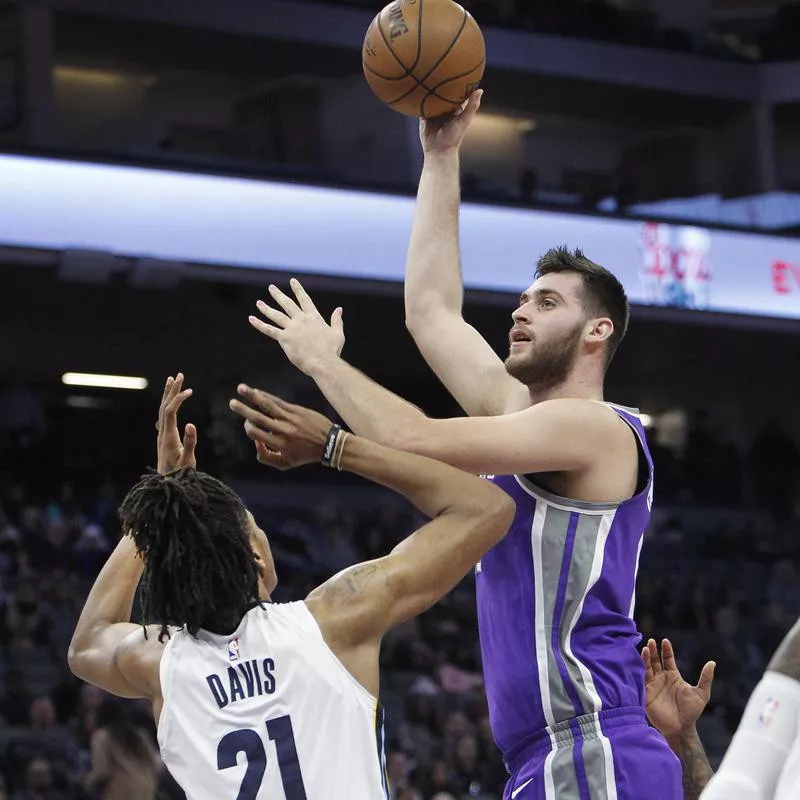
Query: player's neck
[(575, 386)]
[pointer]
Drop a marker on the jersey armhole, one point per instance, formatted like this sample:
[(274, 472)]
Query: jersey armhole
[(166, 671), (312, 621), (644, 471)]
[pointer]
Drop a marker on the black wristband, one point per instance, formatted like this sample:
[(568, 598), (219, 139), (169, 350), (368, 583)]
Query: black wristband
[(330, 445)]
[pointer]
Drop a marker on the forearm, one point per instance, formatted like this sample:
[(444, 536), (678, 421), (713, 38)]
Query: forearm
[(433, 487), (697, 771), (111, 598), (433, 274), (368, 409)]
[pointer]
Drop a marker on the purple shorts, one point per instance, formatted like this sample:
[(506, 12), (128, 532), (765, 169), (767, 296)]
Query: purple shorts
[(613, 755)]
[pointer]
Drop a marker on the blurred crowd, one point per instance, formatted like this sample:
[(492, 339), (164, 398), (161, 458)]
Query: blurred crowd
[(625, 23), (717, 575), (722, 583)]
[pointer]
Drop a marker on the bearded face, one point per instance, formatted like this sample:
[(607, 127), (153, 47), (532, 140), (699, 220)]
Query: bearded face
[(542, 363)]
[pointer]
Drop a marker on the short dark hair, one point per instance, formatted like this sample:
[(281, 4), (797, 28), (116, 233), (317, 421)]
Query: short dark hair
[(603, 294), (200, 570)]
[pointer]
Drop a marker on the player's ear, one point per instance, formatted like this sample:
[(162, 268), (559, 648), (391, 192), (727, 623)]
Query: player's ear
[(600, 329)]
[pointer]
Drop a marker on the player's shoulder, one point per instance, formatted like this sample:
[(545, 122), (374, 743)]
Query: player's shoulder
[(590, 424), (138, 656), (569, 410)]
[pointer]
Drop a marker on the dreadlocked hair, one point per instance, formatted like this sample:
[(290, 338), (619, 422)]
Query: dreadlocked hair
[(191, 532)]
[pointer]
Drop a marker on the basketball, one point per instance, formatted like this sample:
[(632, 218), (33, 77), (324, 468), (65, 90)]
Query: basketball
[(423, 58)]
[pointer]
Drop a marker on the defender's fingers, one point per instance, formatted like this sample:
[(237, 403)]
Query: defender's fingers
[(272, 314), (189, 442), (706, 679), (283, 300), (267, 330), (266, 437), (655, 658), (303, 299), (270, 403), (668, 655), (164, 396), (171, 411), (258, 419), (648, 663)]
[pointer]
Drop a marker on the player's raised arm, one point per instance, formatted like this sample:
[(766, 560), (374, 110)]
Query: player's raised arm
[(558, 435), (461, 358), (469, 516), (104, 630)]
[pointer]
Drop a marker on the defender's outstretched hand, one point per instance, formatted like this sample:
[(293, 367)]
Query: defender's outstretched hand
[(442, 134), (299, 328), (285, 435), (673, 705), (172, 452)]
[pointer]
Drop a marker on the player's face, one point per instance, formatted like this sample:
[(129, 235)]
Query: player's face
[(549, 327), (268, 578)]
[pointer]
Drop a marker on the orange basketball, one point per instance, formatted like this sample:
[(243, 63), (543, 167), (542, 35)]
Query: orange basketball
[(423, 57)]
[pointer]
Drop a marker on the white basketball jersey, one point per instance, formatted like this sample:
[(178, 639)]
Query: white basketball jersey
[(268, 713)]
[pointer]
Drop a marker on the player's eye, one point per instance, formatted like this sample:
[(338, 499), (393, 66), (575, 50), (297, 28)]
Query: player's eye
[(547, 303)]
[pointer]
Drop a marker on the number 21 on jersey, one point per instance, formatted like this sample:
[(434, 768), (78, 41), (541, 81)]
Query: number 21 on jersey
[(249, 742)]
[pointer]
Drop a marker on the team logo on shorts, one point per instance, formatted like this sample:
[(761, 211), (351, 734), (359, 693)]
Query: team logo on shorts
[(233, 650), (768, 712)]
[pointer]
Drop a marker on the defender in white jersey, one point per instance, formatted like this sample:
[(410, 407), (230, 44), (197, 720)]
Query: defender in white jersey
[(763, 760), (255, 700)]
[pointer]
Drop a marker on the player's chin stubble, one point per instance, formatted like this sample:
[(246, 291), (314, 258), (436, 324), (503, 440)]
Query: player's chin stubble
[(547, 364)]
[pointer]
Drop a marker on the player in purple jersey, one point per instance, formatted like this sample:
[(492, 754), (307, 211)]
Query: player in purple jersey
[(564, 680)]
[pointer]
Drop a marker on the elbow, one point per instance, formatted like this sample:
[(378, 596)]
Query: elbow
[(414, 322), (495, 510), (76, 658), (501, 512)]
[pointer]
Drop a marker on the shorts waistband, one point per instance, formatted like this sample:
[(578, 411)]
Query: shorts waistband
[(564, 734)]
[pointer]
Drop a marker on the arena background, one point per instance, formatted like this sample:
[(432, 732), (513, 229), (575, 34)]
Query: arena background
[(661, 135)]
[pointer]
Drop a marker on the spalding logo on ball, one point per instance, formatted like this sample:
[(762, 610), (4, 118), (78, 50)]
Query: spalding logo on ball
[(424, 58)]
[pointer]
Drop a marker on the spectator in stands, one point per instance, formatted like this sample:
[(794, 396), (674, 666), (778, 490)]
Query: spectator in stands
[(39, 782), (398, 769), (468, 776), (739, 661), (438, 779), (47, 737), (416, 733), (125, 764)]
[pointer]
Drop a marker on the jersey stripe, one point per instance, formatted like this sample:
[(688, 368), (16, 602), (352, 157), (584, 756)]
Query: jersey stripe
[(542, 656), (380, 739)]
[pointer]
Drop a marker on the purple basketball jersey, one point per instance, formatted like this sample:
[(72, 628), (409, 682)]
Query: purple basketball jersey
[(555, 606)]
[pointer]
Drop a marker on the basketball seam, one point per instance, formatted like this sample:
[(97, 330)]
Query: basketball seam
[(448, 51), (454, 78), (421, 81), (419, 35), (385, 77), (391, 50), (434, 93)]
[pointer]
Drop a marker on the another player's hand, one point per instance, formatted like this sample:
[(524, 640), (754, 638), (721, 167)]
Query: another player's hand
[(446, 133), (306, 338), (285, 435), (673, 705), (172, 452)]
